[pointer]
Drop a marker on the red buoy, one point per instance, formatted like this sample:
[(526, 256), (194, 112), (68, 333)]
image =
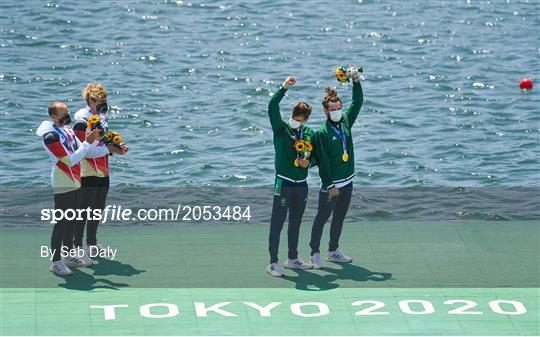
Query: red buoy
[(526, 84)]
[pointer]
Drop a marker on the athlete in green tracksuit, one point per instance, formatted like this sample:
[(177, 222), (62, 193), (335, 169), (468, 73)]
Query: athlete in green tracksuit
[(293, 143), (335, 158)]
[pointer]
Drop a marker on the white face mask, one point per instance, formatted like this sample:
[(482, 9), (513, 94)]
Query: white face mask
[(336, 115), (294, 123)]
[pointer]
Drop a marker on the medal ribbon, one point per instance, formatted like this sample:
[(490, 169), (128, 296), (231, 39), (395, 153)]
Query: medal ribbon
[(294, 138), (342, 135)]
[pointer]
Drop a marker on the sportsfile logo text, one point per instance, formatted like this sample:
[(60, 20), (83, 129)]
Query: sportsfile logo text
[(119, 213)]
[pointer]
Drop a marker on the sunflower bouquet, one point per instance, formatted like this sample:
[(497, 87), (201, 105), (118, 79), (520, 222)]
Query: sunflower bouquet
[(93, 122), (111, 137), (303, 150), (343, 74)]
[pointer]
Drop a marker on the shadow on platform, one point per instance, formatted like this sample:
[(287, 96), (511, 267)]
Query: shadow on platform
[(307, 280), (80, 280)]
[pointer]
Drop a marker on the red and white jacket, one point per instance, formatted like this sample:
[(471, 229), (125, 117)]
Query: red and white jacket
[(96, 161), (66, 153)]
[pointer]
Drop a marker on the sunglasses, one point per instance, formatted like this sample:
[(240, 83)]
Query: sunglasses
[(102, 108)]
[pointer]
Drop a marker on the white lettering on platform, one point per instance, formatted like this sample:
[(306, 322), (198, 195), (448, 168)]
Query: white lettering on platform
[(172, 310), (264, 311), (109, 310), (296, 309), (315, 309), (202, 310)]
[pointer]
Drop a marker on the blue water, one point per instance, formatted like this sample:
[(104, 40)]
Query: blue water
[(189, 84)]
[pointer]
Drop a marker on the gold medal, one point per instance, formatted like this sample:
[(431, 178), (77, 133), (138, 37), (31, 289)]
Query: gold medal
[(296, 162), (345, 157)]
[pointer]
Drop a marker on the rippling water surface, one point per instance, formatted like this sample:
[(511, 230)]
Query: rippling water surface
[(189, 84)]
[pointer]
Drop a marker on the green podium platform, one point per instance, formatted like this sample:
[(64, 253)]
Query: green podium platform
[(407, 277)]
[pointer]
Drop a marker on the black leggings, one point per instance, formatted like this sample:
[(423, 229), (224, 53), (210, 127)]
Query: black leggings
[(338, 206), (93, 194), (291, 199), (62, 234)]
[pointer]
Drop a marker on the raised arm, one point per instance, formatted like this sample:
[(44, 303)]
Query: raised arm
[(273, 106), (357, 99)]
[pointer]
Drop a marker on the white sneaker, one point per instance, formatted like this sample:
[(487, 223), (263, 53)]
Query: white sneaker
[(337, 256), (274, 269), (59, 268), (296, 264), (86, 260), (316, 261), (73, 261)]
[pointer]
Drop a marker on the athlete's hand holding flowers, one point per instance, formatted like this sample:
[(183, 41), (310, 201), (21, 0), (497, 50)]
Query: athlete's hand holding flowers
[(122, 149), (353, 71), (91, 136), (303, 151)]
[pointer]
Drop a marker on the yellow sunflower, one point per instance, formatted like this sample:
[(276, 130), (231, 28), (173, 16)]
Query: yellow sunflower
[(309, 147), (92, 122), (117, 139), (299, 145), (341, 75)]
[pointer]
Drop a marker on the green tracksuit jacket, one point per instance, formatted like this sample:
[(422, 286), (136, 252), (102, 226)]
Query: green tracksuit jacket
[(284, 142), (329, 150)]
